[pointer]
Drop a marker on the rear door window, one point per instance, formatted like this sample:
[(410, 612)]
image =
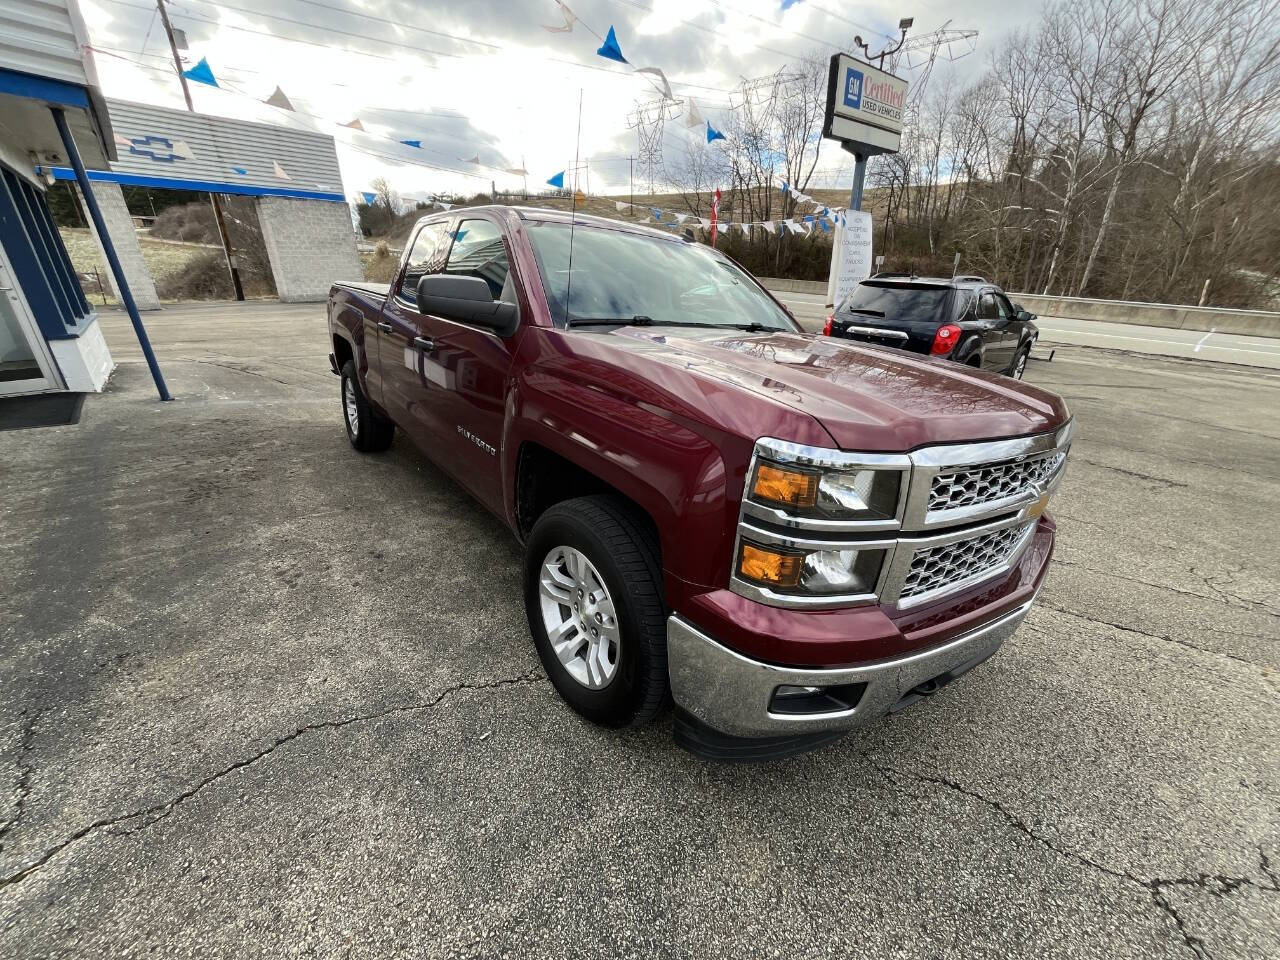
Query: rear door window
[(478, 251), (421, 254), (987, 307)]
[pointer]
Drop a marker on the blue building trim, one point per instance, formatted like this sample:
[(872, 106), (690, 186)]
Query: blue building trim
[(27, 266), (43, 88), (203, 186)]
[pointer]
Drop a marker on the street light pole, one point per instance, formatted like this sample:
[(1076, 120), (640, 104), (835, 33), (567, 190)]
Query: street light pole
[(217, 205)]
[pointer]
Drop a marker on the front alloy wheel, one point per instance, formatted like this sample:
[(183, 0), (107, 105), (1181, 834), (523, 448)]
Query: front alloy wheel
[(579, 617)]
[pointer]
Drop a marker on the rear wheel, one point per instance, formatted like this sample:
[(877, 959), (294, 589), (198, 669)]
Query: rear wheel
[(593, 596), (368, 430)]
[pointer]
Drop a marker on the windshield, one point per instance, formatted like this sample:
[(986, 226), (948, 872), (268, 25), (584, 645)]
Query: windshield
[(899, 302), (621, 276)]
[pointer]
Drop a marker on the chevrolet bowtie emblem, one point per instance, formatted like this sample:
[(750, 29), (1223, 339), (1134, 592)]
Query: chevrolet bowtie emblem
[(160, 149)]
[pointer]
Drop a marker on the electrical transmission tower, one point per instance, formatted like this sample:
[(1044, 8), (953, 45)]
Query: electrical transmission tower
[(649, 120), (919, 54)]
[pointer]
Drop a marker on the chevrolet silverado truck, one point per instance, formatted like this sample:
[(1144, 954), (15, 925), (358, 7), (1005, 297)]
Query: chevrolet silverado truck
[(786, 534)]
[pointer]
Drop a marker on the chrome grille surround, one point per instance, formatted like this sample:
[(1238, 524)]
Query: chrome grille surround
[(935, 546)]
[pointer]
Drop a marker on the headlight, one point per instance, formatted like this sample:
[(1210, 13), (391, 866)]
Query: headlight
[(841, 572), (834, 494)]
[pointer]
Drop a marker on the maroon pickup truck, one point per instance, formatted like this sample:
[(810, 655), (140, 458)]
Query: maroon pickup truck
[(787, 534)]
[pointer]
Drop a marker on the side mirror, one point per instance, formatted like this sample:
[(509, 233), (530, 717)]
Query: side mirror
[(1022, 315), (465, 299)]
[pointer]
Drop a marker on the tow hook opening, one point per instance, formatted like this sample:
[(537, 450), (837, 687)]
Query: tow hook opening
[(792, 700)]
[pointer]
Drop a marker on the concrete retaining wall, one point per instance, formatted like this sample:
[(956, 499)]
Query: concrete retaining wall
[(310, 244), (1257, 323)]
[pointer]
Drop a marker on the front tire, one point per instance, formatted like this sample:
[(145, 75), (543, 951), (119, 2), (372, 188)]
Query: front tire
[(368, 430), (593, 596), (1019, 366)]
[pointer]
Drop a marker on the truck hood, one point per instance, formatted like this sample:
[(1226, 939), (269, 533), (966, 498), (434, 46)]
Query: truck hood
[(865, 397)]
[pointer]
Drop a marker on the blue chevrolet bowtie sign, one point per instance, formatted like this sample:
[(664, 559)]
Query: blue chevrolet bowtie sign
[(160, 149)]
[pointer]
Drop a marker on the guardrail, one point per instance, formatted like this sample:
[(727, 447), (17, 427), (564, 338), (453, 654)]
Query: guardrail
[(1255, 323)]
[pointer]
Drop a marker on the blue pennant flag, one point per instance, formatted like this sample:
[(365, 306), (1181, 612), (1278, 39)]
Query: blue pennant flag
[(826, 228), (610, 49), (416, 144), (713, 134), (657, 214), (241, 170), (201, 73), (369, 198), (459, 234), (807, 218), (557, 181), (785, 186)]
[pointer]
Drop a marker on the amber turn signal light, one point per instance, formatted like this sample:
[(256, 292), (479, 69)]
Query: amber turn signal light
[(765, 566), (789, 487)]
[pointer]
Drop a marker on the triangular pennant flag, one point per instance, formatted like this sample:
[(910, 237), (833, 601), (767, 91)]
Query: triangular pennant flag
[(768, 225), (241, 170), (794, 227), (785, 187), (826, 227), (557, 181), (704, 223), (568, 20), (123, 141), (444, 206), (692, 118), (517, 171), (579, 197), (475, 159), (680, 217), (180, 149), (416, 144), (278, 99), (369, 198), (807, 218), (657, 214), (355, 125), (621, 205), (746, 229), (279, 170), (203, 73), (662, 78), (610, 49), (722, 227), (713, 134)]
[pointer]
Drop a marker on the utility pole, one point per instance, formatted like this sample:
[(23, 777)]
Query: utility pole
[(217, 205), (631, 163)]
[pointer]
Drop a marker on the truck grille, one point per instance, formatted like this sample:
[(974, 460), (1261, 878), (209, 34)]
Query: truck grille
[(992, 481), (952, 563)]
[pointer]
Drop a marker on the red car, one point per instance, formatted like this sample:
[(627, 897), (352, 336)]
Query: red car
[(785, 534)]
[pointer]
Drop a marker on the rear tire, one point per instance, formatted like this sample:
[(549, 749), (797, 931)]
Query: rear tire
[(588, 562), (368, 430)]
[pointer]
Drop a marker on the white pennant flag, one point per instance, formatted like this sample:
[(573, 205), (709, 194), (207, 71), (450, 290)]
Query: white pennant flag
[(794, 227), (722, 227), (180, 149), (475, 159), (746, 229), (444, 206), (622, 205), (279, 170), (704, 223), (569, 18), (662, 77), (768, 225), (680, 217), (123, 141), (692, 118)]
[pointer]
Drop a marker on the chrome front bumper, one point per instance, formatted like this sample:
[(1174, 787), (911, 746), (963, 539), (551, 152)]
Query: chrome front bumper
[(732, 694)]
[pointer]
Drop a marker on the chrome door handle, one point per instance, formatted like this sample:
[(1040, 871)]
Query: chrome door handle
[(424, 343), (385, 327)]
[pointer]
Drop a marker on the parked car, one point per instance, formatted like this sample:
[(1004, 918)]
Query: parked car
[(786, 534), (965, 319)]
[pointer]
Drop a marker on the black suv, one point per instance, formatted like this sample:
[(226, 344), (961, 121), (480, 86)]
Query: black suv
[(965, 319)]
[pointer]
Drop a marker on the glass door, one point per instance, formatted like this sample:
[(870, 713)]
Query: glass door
[(25, 363)]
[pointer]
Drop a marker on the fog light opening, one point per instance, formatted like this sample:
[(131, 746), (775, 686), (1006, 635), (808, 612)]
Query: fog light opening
[(795, 700)]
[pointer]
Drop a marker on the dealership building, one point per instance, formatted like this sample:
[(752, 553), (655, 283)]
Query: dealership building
[(56, 125)]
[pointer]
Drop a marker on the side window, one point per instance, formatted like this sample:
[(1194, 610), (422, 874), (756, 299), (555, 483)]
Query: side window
[(966, 305), (424, 247), (987, 309), (478, 251), (1005, 307)]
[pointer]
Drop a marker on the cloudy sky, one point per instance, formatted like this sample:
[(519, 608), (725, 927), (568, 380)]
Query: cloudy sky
[(483, 78)]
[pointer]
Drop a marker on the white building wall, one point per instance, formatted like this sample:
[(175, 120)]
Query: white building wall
[(85, 362), (120, 226), (43, 38), (310, 244)]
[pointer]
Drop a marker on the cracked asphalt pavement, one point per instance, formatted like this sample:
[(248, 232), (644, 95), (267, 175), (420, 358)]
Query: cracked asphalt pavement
[(261, 696)]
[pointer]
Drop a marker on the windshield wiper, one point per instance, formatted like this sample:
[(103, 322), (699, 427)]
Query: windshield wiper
[(640, 320)]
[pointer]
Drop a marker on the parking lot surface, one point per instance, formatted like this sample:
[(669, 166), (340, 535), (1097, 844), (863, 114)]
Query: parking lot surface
[(263, 696)]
